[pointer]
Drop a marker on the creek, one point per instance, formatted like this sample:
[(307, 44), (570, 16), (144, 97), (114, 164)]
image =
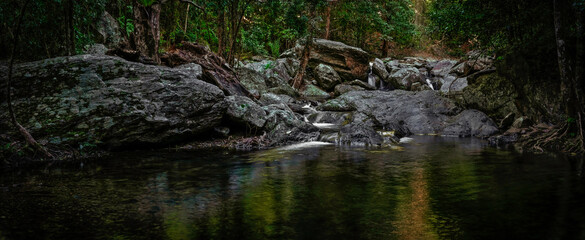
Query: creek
[(427, 188)]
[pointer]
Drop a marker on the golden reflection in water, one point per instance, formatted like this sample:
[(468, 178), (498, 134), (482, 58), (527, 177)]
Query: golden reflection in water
[(413, 209)]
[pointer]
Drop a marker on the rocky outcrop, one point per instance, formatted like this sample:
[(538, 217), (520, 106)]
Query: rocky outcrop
[(110, 101), (349, 62), (314, 92), (417, 112)]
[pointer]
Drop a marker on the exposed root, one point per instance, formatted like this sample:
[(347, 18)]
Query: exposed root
[(553, 138)]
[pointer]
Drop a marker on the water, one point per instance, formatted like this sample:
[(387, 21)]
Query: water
[(430, 188)]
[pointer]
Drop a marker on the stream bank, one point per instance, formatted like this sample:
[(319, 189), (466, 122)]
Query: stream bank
[(106, 102)]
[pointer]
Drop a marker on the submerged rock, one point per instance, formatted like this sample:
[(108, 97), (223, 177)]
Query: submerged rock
[(113, 102)]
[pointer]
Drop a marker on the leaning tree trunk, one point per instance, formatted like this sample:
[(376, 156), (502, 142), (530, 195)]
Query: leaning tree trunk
[(146, 35), (27, 136), (298, 79)]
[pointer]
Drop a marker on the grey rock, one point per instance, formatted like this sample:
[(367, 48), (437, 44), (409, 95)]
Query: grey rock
[(471, 123), (452, 84), (361, 84), (359, 134), (283, 127), (312, 91), (379, 69), (122, 103), (252, 80), (424, 112), (193, 69), (108, 30), (344, 88), (245, 111), (326, 76), (406, 77), (443, 67), (349, 62)]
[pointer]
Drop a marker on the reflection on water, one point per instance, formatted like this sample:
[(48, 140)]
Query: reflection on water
[(433, 188)]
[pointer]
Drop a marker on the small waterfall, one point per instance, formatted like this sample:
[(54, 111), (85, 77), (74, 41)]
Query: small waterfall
[(430, 84), (381, 85), (371, 79)]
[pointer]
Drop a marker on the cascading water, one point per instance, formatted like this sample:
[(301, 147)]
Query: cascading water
[(371, 79), (430, 84)]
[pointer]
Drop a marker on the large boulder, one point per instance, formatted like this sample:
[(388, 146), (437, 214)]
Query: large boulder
[(349, 62), (108, 30), (443, 68), (405, 77), (326, 76), (252, 80), (379, 69), (424, 112), (110, 101), (470, 123), (243, 110)]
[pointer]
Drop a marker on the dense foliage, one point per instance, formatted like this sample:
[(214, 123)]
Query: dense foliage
[(243, 27)]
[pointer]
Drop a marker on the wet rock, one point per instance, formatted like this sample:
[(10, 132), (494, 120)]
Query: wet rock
[(503, 140), (471, 123), (245, 111), (271, 98), (491, 94), (361, 84), (405, 77), (344, 88), (327, 78), (122, 103), (379, 69), (451, 84), (283, 127), (359, 134), (252, 80), (443, 67), (312, 91), (424, 112)]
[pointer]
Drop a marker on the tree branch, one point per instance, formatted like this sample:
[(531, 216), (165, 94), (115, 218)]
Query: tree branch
[(192, 3)]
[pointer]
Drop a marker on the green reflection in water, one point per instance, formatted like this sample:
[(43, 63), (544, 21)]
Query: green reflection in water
[(438, 189)]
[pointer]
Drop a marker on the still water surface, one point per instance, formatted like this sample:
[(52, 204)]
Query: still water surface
[(433, 188)]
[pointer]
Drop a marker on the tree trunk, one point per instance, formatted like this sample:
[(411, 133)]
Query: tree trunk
[(385, 48), (327, 21), (70, 29), (563, 62), (146, 36), (298, 79), (221, 31), (27, 136)]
